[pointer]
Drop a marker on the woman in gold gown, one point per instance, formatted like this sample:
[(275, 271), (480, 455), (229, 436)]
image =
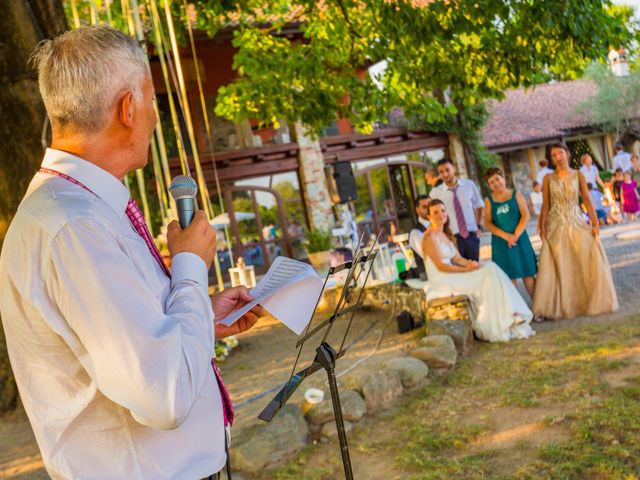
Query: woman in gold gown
[(574, 277)]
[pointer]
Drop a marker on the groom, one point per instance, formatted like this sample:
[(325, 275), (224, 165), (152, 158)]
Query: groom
[(464, 206)]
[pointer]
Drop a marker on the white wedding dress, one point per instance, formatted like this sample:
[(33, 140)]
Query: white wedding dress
[(501, 314)]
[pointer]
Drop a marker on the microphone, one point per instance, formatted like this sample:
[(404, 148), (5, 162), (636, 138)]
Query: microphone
[(183, 189)]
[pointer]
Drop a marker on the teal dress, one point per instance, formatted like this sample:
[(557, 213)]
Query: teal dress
[(518, 261)]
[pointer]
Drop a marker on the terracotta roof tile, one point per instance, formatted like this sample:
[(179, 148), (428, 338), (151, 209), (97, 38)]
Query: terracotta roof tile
[(539, 113)]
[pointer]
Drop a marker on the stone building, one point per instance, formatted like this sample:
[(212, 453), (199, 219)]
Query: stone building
[(527, 121)]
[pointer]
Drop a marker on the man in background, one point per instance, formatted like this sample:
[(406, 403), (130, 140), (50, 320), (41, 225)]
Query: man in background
[(621, 160), (415, 235), (464, 206), (590, 171)]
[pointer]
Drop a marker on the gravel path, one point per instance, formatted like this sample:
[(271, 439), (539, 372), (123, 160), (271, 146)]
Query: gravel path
[(624, 258)]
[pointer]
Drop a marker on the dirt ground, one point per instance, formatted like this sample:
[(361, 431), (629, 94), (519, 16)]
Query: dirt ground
[(264, 360)]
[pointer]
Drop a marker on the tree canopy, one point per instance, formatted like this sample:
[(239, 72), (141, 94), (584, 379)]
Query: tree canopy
[(616, 105), (440, 56), (307, 60)]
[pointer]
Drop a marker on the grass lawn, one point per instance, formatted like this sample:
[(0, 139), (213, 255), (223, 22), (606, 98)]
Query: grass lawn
[(562, 405)]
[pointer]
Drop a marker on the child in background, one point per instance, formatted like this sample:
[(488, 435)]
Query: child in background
[(596, 199), (535, 199), (630, 198), (616, 182)]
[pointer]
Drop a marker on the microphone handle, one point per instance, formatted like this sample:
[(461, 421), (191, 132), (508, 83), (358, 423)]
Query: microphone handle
[(186, 210)]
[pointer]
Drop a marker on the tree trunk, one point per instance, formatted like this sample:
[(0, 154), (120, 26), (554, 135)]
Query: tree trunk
[(23, 23)]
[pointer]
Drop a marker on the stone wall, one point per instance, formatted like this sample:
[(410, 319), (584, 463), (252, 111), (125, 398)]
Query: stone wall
[(520, 172), (314, 183)]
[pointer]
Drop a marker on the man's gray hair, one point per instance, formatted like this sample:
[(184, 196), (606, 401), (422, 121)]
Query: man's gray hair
[(82, 72)]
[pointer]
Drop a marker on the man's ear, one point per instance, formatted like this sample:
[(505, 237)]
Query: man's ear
[(126, 109)]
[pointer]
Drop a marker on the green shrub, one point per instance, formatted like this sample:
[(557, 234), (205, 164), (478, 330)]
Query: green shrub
[(318, 241)]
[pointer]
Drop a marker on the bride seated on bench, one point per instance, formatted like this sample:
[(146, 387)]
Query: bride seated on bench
[(501, 314)]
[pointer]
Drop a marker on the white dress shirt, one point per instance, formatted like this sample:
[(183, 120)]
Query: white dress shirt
[(470, 200), (415, 237), (622, 160), (112, 359), (543, 172), (590, 174)]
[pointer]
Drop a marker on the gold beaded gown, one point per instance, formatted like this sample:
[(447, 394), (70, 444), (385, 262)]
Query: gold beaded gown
[(574, 277)]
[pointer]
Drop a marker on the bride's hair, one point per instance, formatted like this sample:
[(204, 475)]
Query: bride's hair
[(446, 229)]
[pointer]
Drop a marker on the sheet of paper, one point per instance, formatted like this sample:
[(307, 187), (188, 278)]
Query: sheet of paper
[(288, 291), (295, 304)]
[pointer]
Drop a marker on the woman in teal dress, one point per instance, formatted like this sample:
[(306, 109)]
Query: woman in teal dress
[(506, 217)]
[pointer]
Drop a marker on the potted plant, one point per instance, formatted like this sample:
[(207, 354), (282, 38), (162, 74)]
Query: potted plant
[(318, 243)]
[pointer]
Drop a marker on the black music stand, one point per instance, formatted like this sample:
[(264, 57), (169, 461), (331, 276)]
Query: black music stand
[(326, 355)]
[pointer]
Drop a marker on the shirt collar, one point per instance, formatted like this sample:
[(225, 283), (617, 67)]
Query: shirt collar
[(99, 181), (424, 222), (455, 185)]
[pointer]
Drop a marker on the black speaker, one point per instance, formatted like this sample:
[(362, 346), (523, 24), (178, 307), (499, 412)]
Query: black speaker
[(341, 182)]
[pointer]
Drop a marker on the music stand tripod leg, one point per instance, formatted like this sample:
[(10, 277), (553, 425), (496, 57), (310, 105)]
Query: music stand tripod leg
[(326, 357)]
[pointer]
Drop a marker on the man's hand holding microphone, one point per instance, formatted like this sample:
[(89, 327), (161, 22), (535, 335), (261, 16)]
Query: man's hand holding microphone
[(194, 234)]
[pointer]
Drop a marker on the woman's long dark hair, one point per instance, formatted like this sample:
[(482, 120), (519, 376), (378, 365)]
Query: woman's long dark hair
[(447, 226)]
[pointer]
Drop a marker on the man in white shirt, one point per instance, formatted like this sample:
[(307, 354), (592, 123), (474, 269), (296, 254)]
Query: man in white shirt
[(112, 357), (415, 235), (544, 170), (621, 159), (464, 206), (590, 171)]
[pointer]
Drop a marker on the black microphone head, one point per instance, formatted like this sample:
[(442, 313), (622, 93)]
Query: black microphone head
[(183, 186)]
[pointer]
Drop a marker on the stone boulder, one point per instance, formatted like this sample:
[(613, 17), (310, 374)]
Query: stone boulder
[(437, 351), (353, 408), (411, 370), (353, 405), (258, 446), (355, 379), (460, 332), (330, 431), (381, 389), (443, 341)]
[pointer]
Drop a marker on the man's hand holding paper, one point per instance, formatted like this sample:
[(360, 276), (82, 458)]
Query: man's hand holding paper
[(229, 300), (289, 291)]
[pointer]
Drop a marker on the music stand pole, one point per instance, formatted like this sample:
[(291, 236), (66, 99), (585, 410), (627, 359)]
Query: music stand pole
[(326, 357)]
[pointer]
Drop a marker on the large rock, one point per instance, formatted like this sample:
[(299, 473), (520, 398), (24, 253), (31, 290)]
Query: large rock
[(260, 445), (460, 332), (353, 408), (381, 389), (353, 405), (444, 341), (411, 370), (330, 431), (355, 379), (437, 351)]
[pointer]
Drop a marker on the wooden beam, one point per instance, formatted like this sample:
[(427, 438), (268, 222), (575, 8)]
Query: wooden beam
[(532, 163), (384, 150)]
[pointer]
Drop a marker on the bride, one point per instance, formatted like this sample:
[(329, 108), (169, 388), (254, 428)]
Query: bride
[(500, 312)]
